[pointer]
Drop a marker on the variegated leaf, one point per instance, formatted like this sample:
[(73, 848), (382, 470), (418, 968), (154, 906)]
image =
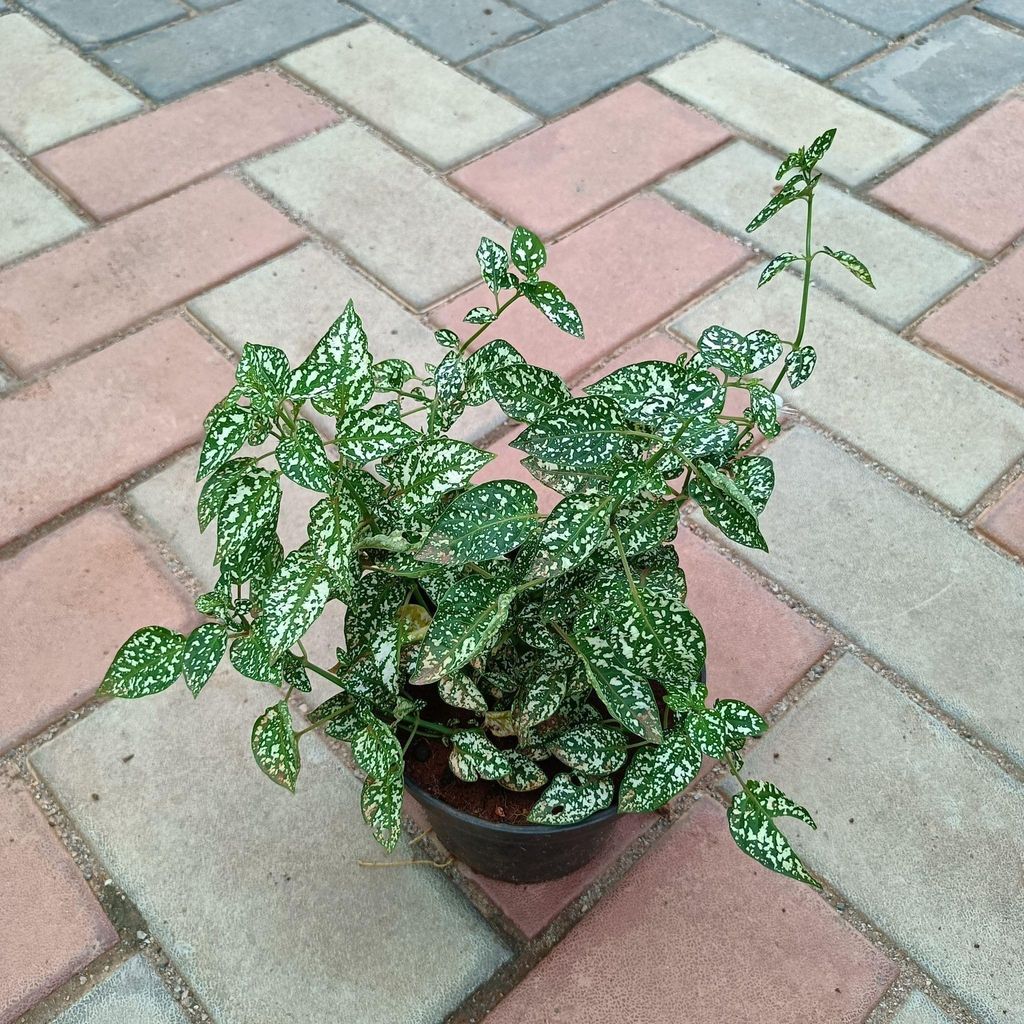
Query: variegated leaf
[(567, 801), (763, 349), (644, 524), (302, 458), (800, 364), (591, 749), (657, 774), (480, 315), (852, 264), (538, 699), (527, 251), (149, 661), (461, 692), (473, 757), (248, 513), (339, 366), (251, 656), (794, 189), (818, 148), (526, 774), (392, 374), (275, 746), (423, 473), (582, 433), (741, 721), (493, 260), (227, 429), (294, 599), (366, 435), (376, 749), (727, 486), (447, 339), (776, 265), (381, 804), (332, 526), (526, 393), (755, 475), (293, 673), (573, 529), (728, 515), (262, 376), (203, 651), (764, 409), (217, 487), (551, 301), (482, 363), (706, 438)]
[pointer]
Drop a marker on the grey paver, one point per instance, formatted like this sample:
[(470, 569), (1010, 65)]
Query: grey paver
[(257, 894), (921, 417), (31, 216), (186, 55), (805, 37), (573, 61), (556, 10), (914, 589), (1007, 10), (94, 22), (455, 29), (731, 81), (133, 994), (957, 68), (432, 109), (911, 270), (924, 834), (406, 227), (890, 19), (919, 1009), (48, 93)]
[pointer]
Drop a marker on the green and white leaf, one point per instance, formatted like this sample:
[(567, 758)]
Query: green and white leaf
[(591, 749), (818, 148), (538, 699), (302, 458), (331, 531), (707, 438), (657, 774), (755, 476), (493, 260), (366, 435), (764, 409), (392, 374), (480, 315), (473, 757), (660, 394), (644, 524), (381, 804), (794, 189), (203, 651), (251, 656), (216, 488), (376, 749), (227, 430), (294, 599), (800, 364), (461, 692), (776, 265), (763, 349), (262, 375), (573, 529), (741, 721), (852, 264), (275, 746), (525, 774), (447, 339), (582, 433), (149, 661), (526, 393), (727, 514), (423, 473), (248, 513), (339, 367), (482, 363), (551, 301), (528, 252), (567, 801)]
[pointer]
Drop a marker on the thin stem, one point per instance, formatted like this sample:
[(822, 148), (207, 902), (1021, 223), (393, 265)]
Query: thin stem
[(498, 310)]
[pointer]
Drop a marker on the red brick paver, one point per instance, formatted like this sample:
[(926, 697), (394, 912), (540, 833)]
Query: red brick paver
[(569, 170), (699, 933), (104, 418), (50, 923), (95, 582), (1004, 521), (135, 162), (78, 294), (964, 188)]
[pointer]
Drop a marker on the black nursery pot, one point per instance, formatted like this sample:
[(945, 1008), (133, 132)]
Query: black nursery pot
[(515, 853)]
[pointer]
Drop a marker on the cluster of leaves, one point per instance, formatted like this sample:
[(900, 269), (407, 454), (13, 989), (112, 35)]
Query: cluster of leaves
[(560, 638)]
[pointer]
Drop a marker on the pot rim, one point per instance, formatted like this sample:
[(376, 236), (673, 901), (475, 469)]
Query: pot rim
[(424, 797)]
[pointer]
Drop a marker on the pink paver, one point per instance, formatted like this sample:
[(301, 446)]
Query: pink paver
[(104, 418), (78, 294), (983, 325), (51, 924), (137, 161), (98, 582), (626, 271), (1004, 521), (676, 941), (590, 159), (961, 187)]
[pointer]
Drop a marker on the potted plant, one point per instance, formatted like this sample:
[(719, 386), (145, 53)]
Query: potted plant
[(528, 677)]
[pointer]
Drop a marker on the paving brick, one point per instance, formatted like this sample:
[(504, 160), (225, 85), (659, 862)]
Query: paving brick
[(959, 67), (981, 326), (1007, 10), (572, 169), (905, 810), (48, 93), (65, 300), (133, 163), (909, 586), (91, 23), (961, 189), (919, 1009), (187, 55), (453, 29), (932, 424), (911, 270), (190, 826), (574, 61), (1004, 521), (556, 10), (97, 582), (664, 945), (407, 228), (625, 271), (51, 923), (134, 992), (31, 216), (104, 418), (427, 106), (891, 20), (804, 37), (732, 82)]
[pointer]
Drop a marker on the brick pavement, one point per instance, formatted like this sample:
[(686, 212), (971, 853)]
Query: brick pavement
[(178, 177)]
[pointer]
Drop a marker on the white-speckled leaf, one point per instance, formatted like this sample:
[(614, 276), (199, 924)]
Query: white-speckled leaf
[(204, 649), (474, 757), (644, 524), (479, 315), (423, 473), (573, 529), (793, 189), (251, 656), (294, 599), (392, 374), (381, 804), (582, 433), (852, 264), (538, 699), (248, 513), (567, 800), (728, 515), (764, 409), (526, 393), (216, 489), (706, 438), (551, 301), (482, 363), (528, 252), (493, 260), (756, 476), (591, 749), (366, 435), (657, 774), (275, 746), (227, 428), (818, 148), (376, 749), (339, 368), (148, 662), (332, 525), (460, 691), (302, 458), (741, 720), (800, 364), (262, 375), (776, 265), (526, 774), (724, 483)]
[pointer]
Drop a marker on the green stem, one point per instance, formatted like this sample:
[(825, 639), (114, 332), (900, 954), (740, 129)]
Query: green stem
[(498, 310)]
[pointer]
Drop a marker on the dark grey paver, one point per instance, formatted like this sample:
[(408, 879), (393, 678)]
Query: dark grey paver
[(807, 38), (187, 55), (893, 18), (939, 78), (571, 62), (95, 22), (133, 994), (1009, 10), (455, 29)]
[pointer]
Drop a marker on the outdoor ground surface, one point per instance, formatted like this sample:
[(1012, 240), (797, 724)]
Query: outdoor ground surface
[(177, 179)]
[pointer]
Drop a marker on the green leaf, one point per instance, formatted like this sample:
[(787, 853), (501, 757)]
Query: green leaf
[(376, 749), (755, 475), (776, 265), (527, 393), (551, 301), (381, 804), (294, 600), (657, 774), (706, 438), (447, 339), (215, 603), (800, 364), (251, 656), (333, 522), (366, 435), (591, 749), (203, 651), (526, 774), (227, 430), (567, 801), (528, 252), (262, 376), (763, 349), (275, 746), (818, 148), (580, 434), (725, 349), (751, 822), (371, 623), (339, 367), (148, 662), (644, 524), (794, 189), (538, 699), (392, 374), (493, 262), (482, 523), (423, 473), (764, 409), (482, 363), (216, 489), (248, 514), (709, 733), (302, 458), (573, 529), (852, 264), (473, 757), (792, 160), (741, 721), (727, 514), (660, 394), (480, 315), (461, 692), (293, 673), (468, 616), (727, 486)]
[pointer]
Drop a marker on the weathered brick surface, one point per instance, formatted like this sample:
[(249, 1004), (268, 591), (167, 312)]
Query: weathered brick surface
[(133, 993), (104, 418), (93, 24), (127, 165), (93, 582), (1004, 521), (51, 924), (888, 18), (919, 1009), (76, 295)]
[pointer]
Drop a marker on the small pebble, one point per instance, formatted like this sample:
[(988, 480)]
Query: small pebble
[(140, 935)]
